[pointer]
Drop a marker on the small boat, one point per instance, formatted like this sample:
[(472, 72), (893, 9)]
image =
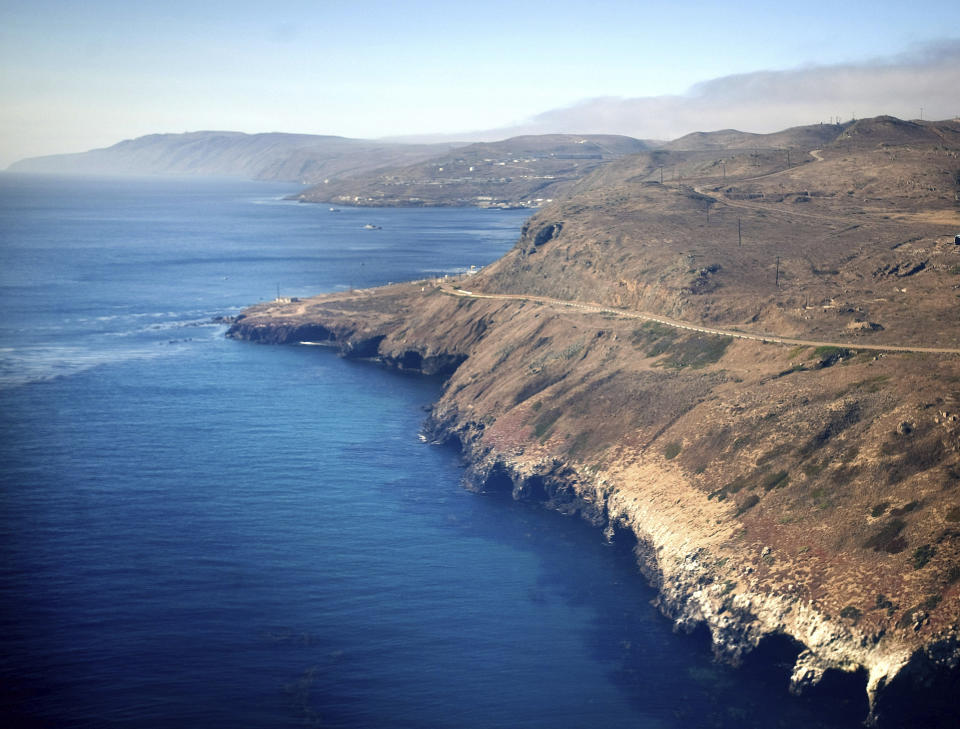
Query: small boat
[(370, 226), (334, 210)]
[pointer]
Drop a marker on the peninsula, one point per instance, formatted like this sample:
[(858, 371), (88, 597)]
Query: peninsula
[(740, 354), (520, 172)]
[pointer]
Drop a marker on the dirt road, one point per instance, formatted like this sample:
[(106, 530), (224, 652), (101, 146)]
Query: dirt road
[(690, 326)]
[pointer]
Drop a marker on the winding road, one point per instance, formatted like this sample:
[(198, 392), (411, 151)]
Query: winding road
[(692, 327), (592, 308)]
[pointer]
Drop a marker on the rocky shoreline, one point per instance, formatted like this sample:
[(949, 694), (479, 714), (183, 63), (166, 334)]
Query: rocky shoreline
[(709, 568), (692, 591), (796, 490)]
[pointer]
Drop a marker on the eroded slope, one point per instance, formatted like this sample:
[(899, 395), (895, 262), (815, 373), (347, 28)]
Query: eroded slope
[(812, 492)]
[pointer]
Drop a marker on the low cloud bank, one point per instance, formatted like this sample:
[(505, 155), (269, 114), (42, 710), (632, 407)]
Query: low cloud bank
[(927, 77)]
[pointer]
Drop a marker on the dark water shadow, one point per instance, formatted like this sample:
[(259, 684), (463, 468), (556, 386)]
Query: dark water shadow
[(670, 676)]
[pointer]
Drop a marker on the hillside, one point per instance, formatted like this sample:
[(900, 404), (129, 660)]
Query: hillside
[(518, 172), (805, 137), (293, 157), (785, 476), (836, 241)]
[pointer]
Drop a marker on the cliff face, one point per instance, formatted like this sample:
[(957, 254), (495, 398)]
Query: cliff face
[(806, 491), (734, 477), (303, 158)]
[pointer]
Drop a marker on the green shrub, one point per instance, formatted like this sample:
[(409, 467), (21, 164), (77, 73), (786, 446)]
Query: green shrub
[(922, 555), (537, 385), (888, 539), (905, 509), (579, 443), (748, 503), (775, 480), (813, 470), (736, 485), (503, 354), (672, 450), (883, 603), (697, 351), (544, 423), (851, 613), (827, 351)]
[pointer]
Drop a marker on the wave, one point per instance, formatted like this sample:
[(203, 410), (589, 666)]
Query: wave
[(275, 201), (204, 323), (34, 364), (196, 313)]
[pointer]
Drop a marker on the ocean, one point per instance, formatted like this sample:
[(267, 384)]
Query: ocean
[(199, 532)]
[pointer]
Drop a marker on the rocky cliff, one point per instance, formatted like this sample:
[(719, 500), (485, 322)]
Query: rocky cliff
[(806, 491)]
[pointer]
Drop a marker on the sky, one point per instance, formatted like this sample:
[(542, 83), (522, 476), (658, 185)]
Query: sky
[(81, 75)]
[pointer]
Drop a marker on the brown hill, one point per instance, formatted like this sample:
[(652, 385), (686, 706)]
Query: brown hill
[(804, 137), (889, 131), (857, 237), (628, 361), (519, 172)]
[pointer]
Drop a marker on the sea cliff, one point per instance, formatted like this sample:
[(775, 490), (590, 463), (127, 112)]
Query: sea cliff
[(751, 373), (568, 422)]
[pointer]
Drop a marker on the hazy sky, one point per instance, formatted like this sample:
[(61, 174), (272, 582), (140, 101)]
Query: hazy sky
[(77, 75)]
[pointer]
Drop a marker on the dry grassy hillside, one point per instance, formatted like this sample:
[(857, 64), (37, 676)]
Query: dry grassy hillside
[(801, 490), (518, 172), (856, 239)]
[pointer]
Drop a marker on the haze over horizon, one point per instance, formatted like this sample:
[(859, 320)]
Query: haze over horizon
[(80, 77)]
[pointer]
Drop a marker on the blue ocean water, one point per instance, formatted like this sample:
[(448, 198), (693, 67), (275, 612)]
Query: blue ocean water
[(197, 532)]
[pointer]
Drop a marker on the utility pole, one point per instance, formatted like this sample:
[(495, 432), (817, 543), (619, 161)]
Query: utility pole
[(739, 235), (724, 170), (778, 272), (788, 158), (661, 174)]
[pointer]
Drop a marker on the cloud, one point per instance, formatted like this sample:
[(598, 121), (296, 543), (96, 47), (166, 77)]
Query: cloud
[(767, 101)]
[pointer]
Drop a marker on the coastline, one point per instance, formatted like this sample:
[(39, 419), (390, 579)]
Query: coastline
[(703, 554)]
